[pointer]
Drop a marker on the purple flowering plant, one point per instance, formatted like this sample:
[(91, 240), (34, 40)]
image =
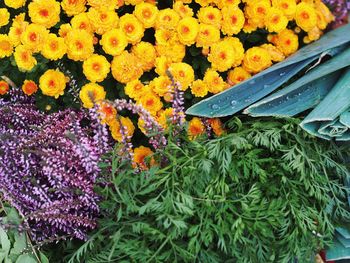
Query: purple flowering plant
[(49, 166)]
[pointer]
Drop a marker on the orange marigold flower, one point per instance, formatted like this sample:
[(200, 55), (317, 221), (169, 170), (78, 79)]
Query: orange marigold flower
[(210, 15), (107, 112), (187, 30), (140, 154), (237, 75), (126, 67), (275, 21), (6, 47), (183, 10), (54, 47), (4, 87), (135, 89), (217, 126), (195, 128), (34, 37), (183, 73), (17, 29), (146, 53), (96, 68), (286, 41), (214, 81), (114, 127), (80, 45), (207, 35), (132, 28), (24, 58), (151, 102), (167, 19), (44, 12), (256, 59), (233, 20), (73, 7), (199, 88), (52, 83), (29, 87)]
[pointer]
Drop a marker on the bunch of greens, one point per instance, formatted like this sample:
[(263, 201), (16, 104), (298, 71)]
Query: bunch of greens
[(265, 192)]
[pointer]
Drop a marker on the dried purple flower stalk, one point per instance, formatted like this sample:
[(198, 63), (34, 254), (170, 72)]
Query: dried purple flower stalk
[(48, 168)]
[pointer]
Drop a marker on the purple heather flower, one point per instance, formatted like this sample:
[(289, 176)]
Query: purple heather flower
[(49, 166), (340, 9)]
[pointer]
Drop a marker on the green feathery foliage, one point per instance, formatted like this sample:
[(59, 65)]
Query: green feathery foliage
[(265, 192)]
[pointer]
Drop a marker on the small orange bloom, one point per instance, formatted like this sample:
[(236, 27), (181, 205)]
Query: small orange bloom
[(4, 87), (29, 87)]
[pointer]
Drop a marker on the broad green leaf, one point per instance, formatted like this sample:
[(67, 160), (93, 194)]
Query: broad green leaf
[(5, 244), (43, 258), (20, 244), (246, 93), (304, 93), (329, 120), (26, 258)]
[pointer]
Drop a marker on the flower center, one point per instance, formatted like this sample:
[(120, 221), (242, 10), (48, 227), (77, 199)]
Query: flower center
[(234, 19), (103, 16), (211, 16), (5, 45), (275, 19), (222, 55), (185, 29), (96, 66), (44, 12), (181, 74), (79, 45), (53, 45), (114, 42), (146, 13), (129, 28), (305, 15), (256, 58), (51, 83), (33, 37)]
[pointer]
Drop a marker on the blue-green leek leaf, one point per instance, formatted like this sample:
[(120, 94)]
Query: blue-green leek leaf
[(330, 119), (337, 251), (304, 93), (246, 93)]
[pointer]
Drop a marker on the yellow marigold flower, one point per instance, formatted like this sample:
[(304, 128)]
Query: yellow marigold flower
[(249, 26), (195, 128), (164, 36), (256, 59), (4, 87), (199, 88), (161, 85), (103, 19), (174, 50), (140, 154), (52, 83), (184, 1), (17, 29), (313, 34), (90, 94), (114, 127), (207, 35), (276, 54), (133, 2), (233, 20), (151, 102), (222, 56), (183, 10), (225, 3), (288, 7), (287, 41), (237, 75), (275, 21), (132, 28), (305, 16), (167, 19), (73, 7), (44, 12), (183, 73), (238, 49), (146, 13), (214, 81), (114, 42), (6, 47), (34, 37), (82, 21), (146, 53), (204, 2), (162, 65), (4, 17), (125, 67), (325, 14), (106, 112), (79, 45), (110, 4), (217, 126), (96, 68), (164, 117), (135, 89), (210, 15), (256, 10), (24, 58), (187, 30), (64, 30), (29, 87), (54, 47), (15, 3)]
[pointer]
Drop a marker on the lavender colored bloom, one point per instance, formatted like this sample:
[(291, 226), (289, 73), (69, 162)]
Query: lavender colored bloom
[(340, 9), (48, 167)]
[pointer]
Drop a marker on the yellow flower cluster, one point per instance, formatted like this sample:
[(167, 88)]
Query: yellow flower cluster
[(107, 43)]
